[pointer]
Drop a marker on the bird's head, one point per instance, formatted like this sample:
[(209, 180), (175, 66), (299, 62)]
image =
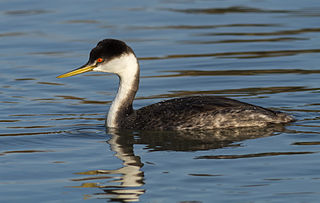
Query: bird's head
[(110, 56)]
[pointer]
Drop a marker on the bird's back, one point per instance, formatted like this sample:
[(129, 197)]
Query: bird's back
[(202, 112)]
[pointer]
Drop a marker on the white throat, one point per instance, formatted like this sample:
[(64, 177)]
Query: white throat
[(127, 68)]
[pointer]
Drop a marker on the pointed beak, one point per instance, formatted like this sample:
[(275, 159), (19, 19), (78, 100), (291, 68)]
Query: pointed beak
[(82, 69)]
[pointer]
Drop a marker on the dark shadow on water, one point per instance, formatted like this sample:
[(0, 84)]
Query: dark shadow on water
[(232, 9), (126, 184), (195, 140)]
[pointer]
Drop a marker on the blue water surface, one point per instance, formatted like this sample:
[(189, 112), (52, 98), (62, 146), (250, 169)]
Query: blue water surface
[(53, 143)]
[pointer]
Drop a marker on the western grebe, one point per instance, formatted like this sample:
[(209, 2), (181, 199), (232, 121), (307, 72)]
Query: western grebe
[(195, 112)]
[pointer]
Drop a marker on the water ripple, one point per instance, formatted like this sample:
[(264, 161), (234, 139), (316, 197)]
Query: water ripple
[(232, 9), (267, 154), (273, 33), (27, 12), (238, 55), (184, 73)]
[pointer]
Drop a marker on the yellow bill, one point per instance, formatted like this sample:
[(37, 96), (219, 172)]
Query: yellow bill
[(77, 71)]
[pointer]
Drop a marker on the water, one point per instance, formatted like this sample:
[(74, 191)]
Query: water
[(54, 147)]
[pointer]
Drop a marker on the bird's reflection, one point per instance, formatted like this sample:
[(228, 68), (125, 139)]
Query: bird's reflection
[(194, 140), (132, 176), (130, 186)]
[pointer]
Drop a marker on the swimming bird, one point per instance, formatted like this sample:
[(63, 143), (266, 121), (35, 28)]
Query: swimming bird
[(195, 112)]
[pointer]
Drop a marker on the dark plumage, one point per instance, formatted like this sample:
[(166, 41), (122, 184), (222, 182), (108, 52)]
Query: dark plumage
[(108, 49), (202, 112)]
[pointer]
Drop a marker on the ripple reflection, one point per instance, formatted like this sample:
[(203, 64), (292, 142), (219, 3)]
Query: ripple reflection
[(126, 184)]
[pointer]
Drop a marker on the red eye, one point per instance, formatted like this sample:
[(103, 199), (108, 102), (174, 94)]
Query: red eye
[(99, 60)]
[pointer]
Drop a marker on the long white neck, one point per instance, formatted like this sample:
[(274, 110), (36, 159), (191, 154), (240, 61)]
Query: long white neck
[(127, 68)]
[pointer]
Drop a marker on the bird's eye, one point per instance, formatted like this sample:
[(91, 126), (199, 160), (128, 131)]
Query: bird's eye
[(99, 60)]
